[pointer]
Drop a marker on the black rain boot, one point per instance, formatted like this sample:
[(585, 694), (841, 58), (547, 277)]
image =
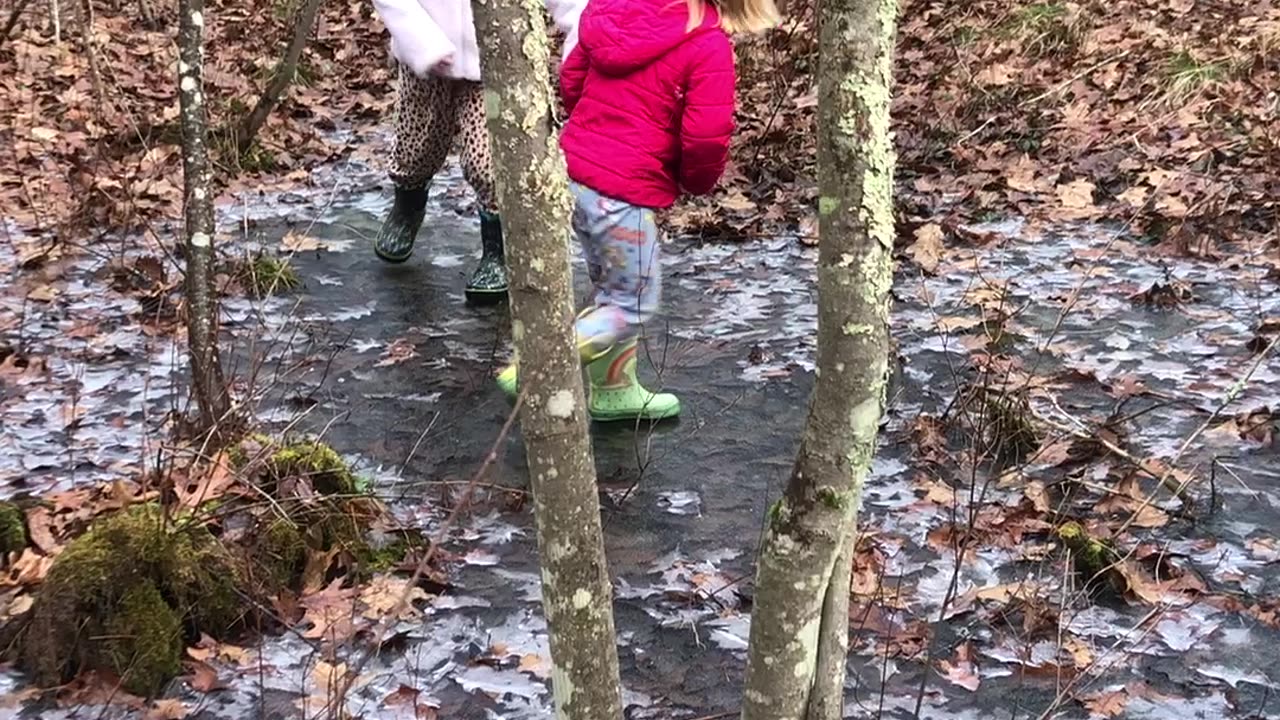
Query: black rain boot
[(395, 240), (488, 284)]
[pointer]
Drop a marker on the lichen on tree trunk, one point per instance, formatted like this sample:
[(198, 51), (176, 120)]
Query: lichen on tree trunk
[(799, 626), (202, 303), (534, 196)]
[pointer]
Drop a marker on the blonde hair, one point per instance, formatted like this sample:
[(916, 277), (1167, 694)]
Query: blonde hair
[(737, 16)]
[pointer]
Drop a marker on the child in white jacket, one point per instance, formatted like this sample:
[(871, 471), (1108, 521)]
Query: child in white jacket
[(441, 100)]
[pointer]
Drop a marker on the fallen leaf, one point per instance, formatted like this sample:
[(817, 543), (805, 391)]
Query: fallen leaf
[(1107, 704), (387, 594), (995, 74), (203, 678), (330, 613), (398, 351), (212, 483), (30, 568), (297, 242), (1077, 194), (960, 670), (19, 606), (166, 710), (404, 695), (40, 530), (536, 664), (1135, 196), (738, 202), (44, 294), (926, 251)]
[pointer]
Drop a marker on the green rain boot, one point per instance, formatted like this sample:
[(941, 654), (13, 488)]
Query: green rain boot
[(395, 240), (589, 350), (616, 393), (488, 284)]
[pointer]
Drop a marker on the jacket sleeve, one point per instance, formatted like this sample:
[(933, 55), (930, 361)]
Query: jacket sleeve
[(707, 121), (565, 14), (416, 39), (573, 75)]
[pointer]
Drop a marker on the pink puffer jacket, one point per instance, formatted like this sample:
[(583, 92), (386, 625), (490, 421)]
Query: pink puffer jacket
[(650, 101), (425, 32)]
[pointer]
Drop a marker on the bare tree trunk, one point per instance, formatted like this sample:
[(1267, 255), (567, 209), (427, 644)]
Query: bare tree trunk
[(91, 51), (826, 700), (12, 22), (202, 305), (533, 193), (281, 77), (799, 624), (55, 10)]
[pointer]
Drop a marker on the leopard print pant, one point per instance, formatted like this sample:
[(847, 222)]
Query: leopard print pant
[(432, 114)]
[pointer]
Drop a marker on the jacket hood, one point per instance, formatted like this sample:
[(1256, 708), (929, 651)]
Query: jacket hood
[(623, 36)]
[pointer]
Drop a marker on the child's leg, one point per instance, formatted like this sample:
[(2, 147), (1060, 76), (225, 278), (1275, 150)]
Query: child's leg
[(426, 123), (624, 240), (477, 162), (488, 282), (580, 223), (621, 240)]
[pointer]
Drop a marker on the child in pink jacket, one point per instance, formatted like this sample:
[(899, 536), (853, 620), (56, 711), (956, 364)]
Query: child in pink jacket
[(650, 95), (440, 102)]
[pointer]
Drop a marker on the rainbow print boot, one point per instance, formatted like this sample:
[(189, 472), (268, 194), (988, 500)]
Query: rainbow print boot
[(617, 395)]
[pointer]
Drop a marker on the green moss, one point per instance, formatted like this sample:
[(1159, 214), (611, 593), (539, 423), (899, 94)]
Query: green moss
[(1090, 555), (13, 529), (97, 588), (387, 556), (281, 553), (265, 274), (832, 499), (328, 472), (779, 514), (249, 448), (143, 640)]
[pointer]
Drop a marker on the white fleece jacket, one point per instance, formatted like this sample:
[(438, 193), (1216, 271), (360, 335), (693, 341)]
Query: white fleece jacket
[(424, 32)]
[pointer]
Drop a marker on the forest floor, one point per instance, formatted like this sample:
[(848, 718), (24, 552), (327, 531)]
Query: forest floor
[(1060, 367)]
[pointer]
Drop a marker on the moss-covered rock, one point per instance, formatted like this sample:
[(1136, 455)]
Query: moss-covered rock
[(386, 556), (280, 553), (143, 640), (129, 567), (13, 529), (315, 461), (1091, 556)]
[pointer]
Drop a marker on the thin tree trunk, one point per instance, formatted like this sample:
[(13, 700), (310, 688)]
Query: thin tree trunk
[(826, 700), (281, 77), (56, 11), (12, 22), (809, 529), (533, 194), (202, 308), (91, 52)]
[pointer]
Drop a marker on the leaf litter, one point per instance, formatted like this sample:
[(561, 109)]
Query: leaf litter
[(1184, 343)]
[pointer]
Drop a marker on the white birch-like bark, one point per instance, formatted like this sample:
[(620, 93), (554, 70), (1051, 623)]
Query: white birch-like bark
[(207, 379)]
